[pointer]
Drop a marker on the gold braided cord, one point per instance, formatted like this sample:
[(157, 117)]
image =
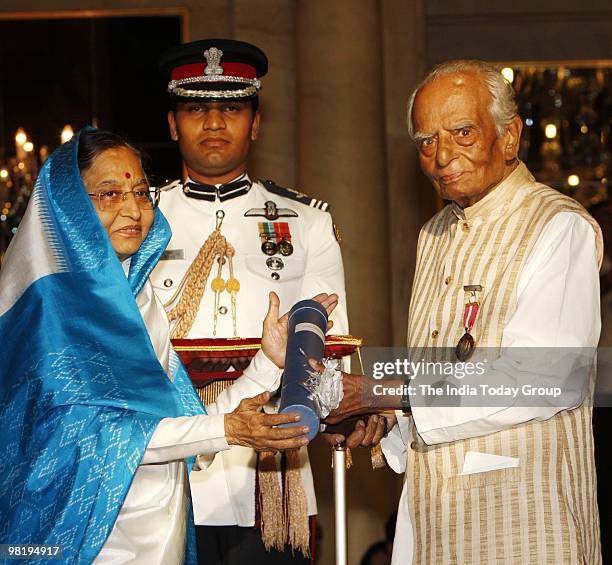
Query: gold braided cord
[(202, 254), (193, 283)]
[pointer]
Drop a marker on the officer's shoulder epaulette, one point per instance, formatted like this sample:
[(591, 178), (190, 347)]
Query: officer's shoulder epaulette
[(274, 188)]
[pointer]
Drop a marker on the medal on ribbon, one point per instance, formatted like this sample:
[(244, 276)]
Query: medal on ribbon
[(275, 238), (283, 235), (465, 346), (268, 237)]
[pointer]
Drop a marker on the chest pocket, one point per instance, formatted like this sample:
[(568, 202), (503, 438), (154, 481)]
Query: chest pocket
[(167, 277), (293, 267)]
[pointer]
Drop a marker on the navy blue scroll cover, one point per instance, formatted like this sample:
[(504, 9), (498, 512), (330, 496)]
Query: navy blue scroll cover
[(306, 339)]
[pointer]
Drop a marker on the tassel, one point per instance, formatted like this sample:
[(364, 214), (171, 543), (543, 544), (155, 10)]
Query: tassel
[(378, 459), (210, 391), (273, 531), (349, 458), (296, 507)]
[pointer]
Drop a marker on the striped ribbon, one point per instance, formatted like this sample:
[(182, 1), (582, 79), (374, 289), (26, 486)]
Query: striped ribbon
[(274, 231)]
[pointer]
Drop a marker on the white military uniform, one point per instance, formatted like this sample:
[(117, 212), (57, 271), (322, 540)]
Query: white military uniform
[(224, 494)]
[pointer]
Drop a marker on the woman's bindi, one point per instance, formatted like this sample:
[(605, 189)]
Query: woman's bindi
[(128, 176)]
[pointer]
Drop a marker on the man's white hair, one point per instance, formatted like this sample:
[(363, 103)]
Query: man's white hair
[(503, 105)]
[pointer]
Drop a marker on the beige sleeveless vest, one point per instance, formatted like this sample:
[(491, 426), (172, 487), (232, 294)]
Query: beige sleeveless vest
[(545, 511)]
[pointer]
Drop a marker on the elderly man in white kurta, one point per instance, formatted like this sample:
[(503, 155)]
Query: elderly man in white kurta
[(527, 492), (536, 254)]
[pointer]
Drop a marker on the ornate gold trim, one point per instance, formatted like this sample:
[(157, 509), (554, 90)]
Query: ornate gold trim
[(336, 340)]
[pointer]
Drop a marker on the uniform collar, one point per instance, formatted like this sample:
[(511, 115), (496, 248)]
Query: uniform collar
[(211, 192), (505, 196)]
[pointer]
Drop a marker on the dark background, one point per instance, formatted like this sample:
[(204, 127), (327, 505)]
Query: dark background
[(98, 71)]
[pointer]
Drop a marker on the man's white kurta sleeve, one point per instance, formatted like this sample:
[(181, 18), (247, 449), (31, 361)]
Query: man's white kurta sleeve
[(557, 306), (395, 442)]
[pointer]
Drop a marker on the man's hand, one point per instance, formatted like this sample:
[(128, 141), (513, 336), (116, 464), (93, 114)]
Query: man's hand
[(274, 336), (357, 399), (247, 425), (362, 435)]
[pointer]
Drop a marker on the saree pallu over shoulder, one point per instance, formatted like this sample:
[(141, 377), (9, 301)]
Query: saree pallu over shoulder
[(81, 388)]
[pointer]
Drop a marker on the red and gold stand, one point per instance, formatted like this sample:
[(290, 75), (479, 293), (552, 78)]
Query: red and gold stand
[(214, 363)]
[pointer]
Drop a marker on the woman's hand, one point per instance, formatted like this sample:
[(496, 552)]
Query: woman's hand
[(274, 336), (247, 425)]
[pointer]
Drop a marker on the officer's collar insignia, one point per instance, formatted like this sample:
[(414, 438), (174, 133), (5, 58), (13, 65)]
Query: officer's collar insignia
[(210, 192), (213, 60), (271, 212)]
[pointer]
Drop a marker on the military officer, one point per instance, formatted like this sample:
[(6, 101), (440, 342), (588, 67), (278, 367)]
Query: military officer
[(245, 238)]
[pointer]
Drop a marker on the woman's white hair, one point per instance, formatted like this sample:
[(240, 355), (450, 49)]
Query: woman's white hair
[(503, 105)]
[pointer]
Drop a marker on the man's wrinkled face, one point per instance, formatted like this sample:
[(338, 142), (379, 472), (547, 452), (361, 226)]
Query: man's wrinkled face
[(214, 138), (459, 149)]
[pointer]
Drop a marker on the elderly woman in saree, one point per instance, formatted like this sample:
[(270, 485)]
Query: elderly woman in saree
[(98, 419)]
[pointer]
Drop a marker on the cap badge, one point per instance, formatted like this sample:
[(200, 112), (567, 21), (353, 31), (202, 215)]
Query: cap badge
[(213, 58)]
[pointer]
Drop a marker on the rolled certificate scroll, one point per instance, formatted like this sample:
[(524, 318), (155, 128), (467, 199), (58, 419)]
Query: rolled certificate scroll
[(306, 339)]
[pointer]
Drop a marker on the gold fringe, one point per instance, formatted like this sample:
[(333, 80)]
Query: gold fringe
[(349, 458), (378, 459), (296, 507), (348, 461), (273, 529), (210, 391)]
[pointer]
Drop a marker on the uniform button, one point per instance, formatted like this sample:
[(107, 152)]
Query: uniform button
[(435, 334), (465, 227), (447, 280), (275, 276), (413, 445), (275, 263), (222, 309), (168, 283)]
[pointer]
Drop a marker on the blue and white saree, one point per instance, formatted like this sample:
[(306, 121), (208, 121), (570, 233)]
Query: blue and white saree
[(81, 388)]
